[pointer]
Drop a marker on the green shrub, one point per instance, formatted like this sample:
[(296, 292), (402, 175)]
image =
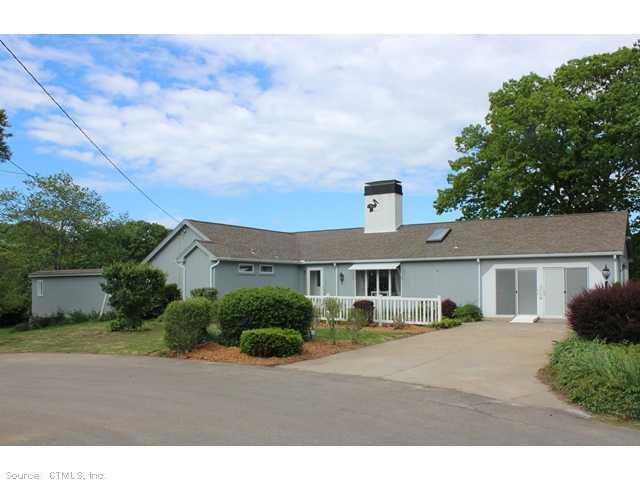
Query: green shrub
[(603, 378), (135, 289), (332, 311), (447, 323), (171, 294), (271, 342), (186, 322), (117, 324), (263, 307), (468, 313), (107, 316), (357, 319), (208, 293)]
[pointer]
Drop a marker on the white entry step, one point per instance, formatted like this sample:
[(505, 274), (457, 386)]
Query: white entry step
[(525, 319)]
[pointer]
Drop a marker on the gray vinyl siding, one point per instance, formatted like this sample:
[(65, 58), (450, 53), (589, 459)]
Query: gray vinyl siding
[(228, 279), (457, 280), (165, 259), (197, 269), (67, 294)]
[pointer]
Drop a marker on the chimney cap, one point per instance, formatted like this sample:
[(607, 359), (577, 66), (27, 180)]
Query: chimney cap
[(380, 187)]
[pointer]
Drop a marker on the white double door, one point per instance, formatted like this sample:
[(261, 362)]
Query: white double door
[(560, 285)]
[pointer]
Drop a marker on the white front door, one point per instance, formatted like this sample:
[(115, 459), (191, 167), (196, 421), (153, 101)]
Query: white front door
[(314, 282), (553, 287)]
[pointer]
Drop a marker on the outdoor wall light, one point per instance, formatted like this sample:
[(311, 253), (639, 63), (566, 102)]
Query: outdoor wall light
[(605, 274), (341, 277)]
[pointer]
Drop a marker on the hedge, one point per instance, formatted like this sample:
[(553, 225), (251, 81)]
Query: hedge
[(271, 342), (263, 307)]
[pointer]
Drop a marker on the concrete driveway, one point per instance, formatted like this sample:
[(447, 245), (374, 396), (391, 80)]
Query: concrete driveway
[(493, 358), (77, 399)]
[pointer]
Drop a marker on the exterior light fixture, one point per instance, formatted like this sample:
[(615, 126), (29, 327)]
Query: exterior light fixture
[(341, 277), (605, 274)]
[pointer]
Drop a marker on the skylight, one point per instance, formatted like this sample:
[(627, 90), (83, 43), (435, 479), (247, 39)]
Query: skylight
[(438, 235)]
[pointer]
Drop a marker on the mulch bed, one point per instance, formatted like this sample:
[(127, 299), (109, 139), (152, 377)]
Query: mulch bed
[(214, 352)]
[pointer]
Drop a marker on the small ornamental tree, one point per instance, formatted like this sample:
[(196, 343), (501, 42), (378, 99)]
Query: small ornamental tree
[(448, 308), (134, 289)]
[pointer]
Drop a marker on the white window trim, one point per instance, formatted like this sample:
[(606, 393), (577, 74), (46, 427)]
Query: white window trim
[(366, 282), (252, 272), (272, 272), (316, 269), (40, 288)]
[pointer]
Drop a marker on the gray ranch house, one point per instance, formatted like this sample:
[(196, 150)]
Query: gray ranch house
[(513, 267)]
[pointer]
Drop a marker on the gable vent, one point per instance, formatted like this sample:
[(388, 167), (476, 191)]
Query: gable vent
[(438, 235)]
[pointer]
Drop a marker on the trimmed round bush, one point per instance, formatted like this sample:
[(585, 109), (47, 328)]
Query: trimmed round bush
[(271, 342), (611, 314), (468, 313), (448, 308), (262, 307), (367, 307), (185, 323)]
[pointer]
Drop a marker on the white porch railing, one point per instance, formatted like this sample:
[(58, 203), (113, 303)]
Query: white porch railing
[(418, 311)]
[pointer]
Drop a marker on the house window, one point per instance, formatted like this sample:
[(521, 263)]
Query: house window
[(245, 268), (40, 288), (266, 269), (372, 283)]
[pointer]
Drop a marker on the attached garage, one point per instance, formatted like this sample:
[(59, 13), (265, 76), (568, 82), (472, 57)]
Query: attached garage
[(540, 287)]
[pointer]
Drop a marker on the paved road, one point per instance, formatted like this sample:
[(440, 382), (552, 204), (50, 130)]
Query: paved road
[(60, 399), (492, 358)]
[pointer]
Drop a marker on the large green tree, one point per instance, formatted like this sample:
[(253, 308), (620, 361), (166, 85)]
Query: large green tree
[(566, 143)]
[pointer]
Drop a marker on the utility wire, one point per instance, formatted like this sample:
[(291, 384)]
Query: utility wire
[(22, 170), (106, 157)]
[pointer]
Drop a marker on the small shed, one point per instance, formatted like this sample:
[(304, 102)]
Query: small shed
[(67, 291)]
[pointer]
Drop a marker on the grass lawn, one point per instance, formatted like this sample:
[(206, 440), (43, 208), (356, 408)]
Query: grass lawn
[(89, 337), (94, 337)]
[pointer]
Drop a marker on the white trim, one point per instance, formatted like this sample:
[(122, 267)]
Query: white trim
[(308, 275), (374, 266), (252, 272), (169, 237), (272, 272), (615, 269), (104, 304), (424, 259), (40, 287), (184, 279), (193, 245)]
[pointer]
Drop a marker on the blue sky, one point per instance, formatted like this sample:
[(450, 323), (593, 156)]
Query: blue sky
[(275, 131)]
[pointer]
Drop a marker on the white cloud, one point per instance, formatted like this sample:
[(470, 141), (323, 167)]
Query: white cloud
[(338, 110)]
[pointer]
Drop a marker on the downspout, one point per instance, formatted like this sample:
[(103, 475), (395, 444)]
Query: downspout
[(184, 280), (212, 283), (479, 284), (335, 268), (615, 269)]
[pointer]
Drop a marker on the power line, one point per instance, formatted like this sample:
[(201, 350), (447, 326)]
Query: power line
[(106, 157), (22, 170)]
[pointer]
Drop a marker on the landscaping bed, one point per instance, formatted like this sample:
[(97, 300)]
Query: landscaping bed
[(319, 347), (602, 378)]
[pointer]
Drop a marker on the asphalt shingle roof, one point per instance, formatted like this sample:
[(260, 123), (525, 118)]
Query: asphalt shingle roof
[(562, 234)]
